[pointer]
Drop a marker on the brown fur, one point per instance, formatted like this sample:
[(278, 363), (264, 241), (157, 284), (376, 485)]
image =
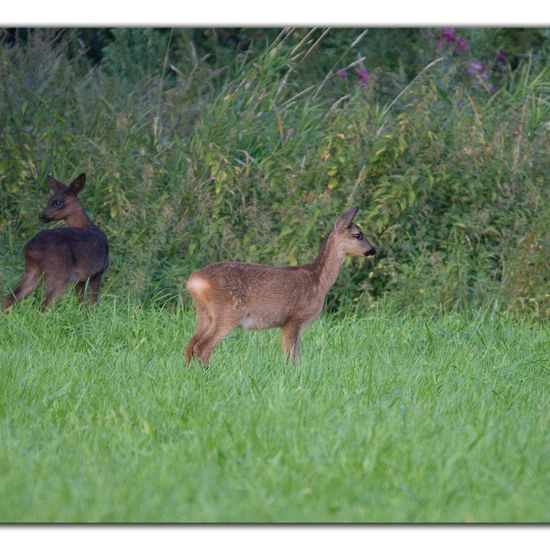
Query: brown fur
[(78, 253), (253, 296)]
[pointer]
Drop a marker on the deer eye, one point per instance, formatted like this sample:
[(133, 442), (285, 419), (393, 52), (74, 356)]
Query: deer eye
[(57, 204), (358, 236)]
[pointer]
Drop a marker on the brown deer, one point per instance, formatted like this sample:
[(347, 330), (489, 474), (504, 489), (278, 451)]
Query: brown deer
[(78, 253), (258, 297)]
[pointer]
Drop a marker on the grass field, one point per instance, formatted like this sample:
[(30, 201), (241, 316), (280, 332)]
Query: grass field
[(388, 418)]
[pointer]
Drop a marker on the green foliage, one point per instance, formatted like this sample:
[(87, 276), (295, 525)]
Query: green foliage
[(214, 145)]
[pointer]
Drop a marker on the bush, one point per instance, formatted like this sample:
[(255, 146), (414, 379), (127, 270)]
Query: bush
[(251, 155)]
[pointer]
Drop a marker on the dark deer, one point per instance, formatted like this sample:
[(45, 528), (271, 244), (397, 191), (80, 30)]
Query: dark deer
[(78, 253), (258, 297)]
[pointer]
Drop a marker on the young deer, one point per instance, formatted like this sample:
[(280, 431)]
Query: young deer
[(254, 296), (76, 253)]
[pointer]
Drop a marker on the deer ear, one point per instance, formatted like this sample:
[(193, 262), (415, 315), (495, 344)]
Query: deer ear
[(55, 185), (78, 184), (344, 221)]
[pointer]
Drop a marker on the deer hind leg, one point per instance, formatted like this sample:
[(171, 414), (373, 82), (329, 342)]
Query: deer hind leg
[(80, 289), (202, 330), (291, 340), (215, 335), (28, 283), (220, 324)]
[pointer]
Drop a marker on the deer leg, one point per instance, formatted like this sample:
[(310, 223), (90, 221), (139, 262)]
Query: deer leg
[(219, 330), (28, 283), (205, 347), (93, 288), (54, 288), (202, 330), (291, 340), (80, 288)]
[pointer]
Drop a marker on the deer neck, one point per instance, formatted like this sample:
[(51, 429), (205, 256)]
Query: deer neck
[(78, 218), (328, 263)]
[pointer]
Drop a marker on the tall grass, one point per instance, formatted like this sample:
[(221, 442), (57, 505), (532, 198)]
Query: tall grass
[(251, 158), (388, 418)]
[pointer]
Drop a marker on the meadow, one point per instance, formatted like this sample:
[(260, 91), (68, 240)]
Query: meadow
[(422, 393), (388, 418)]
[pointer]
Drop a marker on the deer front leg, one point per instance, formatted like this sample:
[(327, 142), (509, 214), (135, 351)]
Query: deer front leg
[(291, 340), (93, 288), (80, 288)]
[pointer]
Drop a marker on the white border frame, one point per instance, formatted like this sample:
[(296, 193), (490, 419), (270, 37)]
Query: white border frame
[(230, 13)]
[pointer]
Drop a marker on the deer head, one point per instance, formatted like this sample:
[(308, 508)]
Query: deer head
[(64, 203), (349, 236)]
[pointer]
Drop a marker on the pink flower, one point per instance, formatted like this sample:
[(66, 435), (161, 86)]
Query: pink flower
[(461, 44), (475, 68), (364, 76), (448, 34), (501, 60), (342, 73)]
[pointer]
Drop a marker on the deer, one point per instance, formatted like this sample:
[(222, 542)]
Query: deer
[(257, 297), (78, 253)]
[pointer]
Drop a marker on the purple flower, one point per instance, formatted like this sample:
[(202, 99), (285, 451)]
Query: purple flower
[(364, 76), (461, 44), (448, 34), (501, 60), (342, 73), (475, 68)]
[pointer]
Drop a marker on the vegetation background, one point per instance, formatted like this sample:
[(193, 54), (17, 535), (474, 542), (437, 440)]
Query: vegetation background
[(422, 398), (203, 145)]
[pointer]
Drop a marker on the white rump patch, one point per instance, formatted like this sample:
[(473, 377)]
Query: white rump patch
[(197, 284)]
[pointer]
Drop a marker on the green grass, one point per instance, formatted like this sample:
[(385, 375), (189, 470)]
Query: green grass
[(388, 418)]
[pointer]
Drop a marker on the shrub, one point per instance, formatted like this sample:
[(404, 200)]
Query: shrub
[(251, 156)]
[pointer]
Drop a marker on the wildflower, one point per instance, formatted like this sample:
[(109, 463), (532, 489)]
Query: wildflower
[(364, 76), (501, 60), (448, 34), (342, 73), (475, 68), (461, 44)]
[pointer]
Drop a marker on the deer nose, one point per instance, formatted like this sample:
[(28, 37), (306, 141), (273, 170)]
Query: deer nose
[(370, 252), (43, 217)]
